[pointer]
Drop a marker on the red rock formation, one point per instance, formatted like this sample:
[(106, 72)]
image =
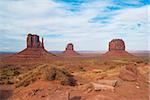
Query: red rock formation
[(35, 50), (70, 47), (42, 44), (117, 49), (34, 42), (129, 73), (116, 44), (29, 41), (70, 51)]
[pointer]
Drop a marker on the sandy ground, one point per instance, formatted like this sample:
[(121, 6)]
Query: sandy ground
[(85, 70)]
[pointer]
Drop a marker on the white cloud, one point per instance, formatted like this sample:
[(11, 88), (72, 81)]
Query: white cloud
[(49, 17)]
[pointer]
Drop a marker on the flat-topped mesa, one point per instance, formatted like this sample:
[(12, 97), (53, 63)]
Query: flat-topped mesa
[(117, 49), (116, 44), (33, 41), (69, 51)]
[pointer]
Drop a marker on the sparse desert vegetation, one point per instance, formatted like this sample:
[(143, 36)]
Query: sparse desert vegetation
[(79, 77)]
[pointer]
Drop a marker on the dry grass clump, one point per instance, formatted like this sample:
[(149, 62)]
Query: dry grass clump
[(81, 69), (47, 73), (7, 75), (30, 76), (62, 75)]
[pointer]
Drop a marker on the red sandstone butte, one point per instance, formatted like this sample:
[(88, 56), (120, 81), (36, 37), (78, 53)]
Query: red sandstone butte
[(34, 51), (70, 51), (117, 49), (34, 42)]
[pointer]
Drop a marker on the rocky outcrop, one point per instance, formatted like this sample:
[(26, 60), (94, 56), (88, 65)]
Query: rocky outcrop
[(69, 51), (101, 87), (116, 44), (117, 49), (108, 82), (34, 42), (70, 47), (34, 51), (129, 73)]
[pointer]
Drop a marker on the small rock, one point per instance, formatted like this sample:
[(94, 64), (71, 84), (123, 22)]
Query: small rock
[(89, 90), (108, 82), (43, 96), (35, 91), (137, 87), (100, 87), (137, 83), (148, 82)]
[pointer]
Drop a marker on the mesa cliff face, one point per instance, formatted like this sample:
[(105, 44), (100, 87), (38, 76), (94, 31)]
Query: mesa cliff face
[(117, 49), (116, 44), (69, 51), (34, 42)]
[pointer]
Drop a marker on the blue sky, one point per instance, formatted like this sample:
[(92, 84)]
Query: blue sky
[(88, 24)]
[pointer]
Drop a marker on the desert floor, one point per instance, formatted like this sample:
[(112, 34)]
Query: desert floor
[(27, 80)]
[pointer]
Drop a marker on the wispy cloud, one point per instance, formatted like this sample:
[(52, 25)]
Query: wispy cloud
[(92, 22)]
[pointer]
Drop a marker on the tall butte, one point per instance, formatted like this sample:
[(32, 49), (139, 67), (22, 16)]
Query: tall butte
[(69, 51), (34, 51), (34, 42), (117, 49)]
